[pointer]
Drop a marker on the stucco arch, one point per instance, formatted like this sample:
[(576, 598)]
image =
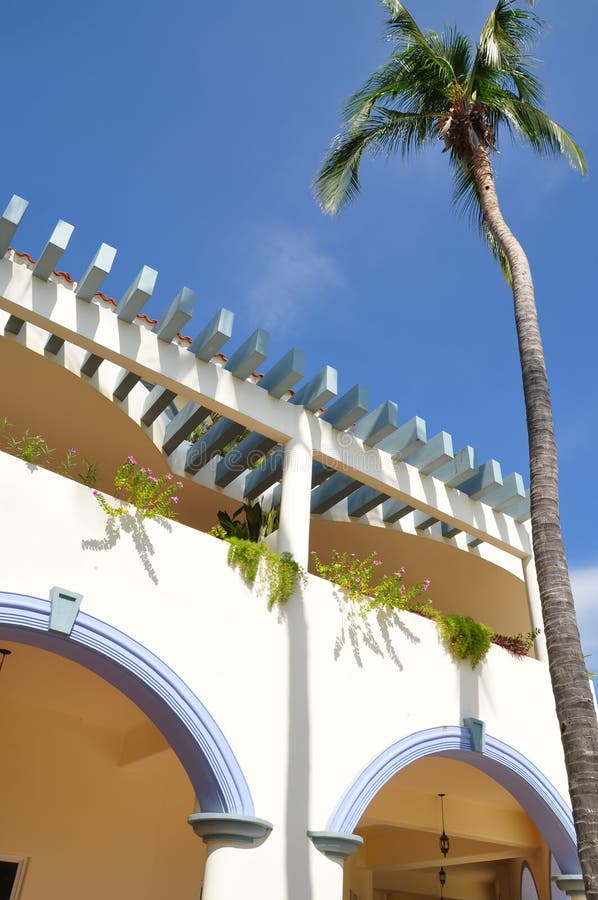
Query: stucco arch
[(189, 728), (542, 802)]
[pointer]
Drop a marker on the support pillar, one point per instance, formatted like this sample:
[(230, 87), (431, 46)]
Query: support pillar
[(535, 606), (327, 882), (572, 885), (227, 836), (295, 501)]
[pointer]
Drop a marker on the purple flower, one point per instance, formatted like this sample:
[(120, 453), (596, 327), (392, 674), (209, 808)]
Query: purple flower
[(95, 493), (132, 460), (73, 450), (175, 499), (144, 470), (357, 580), (170, 476), (377, 562), (179, 484), (402, 570)]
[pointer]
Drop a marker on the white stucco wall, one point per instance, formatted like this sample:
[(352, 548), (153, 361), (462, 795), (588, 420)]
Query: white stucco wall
[(305, 697)]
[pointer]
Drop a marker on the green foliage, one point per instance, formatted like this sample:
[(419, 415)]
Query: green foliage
[(30, 447), (280, 573), (356, 577), (250, 522), (465, 638), (517, 644), (443, 86), (138, 486)]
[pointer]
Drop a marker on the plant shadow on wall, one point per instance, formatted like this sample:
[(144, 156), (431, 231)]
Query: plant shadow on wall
[(140, 495), (361, 593)]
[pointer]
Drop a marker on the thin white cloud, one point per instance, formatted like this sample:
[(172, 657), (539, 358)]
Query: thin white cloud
[(584, 581), (290, 273)]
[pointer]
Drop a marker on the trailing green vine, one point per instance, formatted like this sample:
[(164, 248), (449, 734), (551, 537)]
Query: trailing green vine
[(280, 573), (463, 637), (139, 487)]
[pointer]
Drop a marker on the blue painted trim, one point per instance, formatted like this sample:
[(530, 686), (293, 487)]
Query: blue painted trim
[(188, 418), (183, 720), (542, 802)]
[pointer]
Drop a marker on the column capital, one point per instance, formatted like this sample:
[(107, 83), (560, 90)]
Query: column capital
[(572, 885), (335, 844), (229, 829)]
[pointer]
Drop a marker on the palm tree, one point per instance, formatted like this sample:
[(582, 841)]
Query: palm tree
[(442, 87)]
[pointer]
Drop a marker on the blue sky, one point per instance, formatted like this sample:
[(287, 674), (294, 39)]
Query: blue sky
[(186, 135)]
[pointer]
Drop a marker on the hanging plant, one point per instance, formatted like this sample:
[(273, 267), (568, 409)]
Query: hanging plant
[(280, 572), (465, 638)]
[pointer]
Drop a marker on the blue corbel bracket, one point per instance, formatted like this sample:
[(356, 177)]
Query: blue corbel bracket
[(64, 609), (572, 885), (335, 845), (477, 730), (228, 829)]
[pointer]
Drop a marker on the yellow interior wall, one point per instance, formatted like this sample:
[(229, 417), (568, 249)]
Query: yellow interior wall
[(90, 827)]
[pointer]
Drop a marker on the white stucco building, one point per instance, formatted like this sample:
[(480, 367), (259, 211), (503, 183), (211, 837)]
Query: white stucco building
[(307, 743)]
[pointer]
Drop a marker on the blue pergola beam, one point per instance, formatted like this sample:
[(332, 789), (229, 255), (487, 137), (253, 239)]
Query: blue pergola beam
[(266, 474), (318, 391), (511, 492), (10, 220), (91, 364), (371, 429), (156, 402), (461, 468), (216, 333), (53, 250), (393, 510), (247, 451), (282, 376), (211, 444), (125, 385), (488, 479), (189, 417), (250, 355), (13, 325), (347, 409), (176, 316), (137, 294), (53, 344), (520, 510), (405, 440), (97, 271), (277, 381)]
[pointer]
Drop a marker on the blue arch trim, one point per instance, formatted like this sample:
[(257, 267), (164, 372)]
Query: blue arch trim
[(542, 802), (189, 728)]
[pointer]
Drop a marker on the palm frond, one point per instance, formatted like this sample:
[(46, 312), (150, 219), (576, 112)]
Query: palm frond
[(543, 134), (507, 34), (385, 130)]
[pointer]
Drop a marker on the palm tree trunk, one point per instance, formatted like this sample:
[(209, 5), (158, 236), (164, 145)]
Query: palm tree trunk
[(573, 697)]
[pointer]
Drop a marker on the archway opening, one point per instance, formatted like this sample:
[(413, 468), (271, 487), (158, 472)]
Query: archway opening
[(94, 799), (491, 838)]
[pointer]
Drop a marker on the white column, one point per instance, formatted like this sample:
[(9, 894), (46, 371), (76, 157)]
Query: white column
[(327, 862), (293, 531), (231, 869), (535, 607)]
